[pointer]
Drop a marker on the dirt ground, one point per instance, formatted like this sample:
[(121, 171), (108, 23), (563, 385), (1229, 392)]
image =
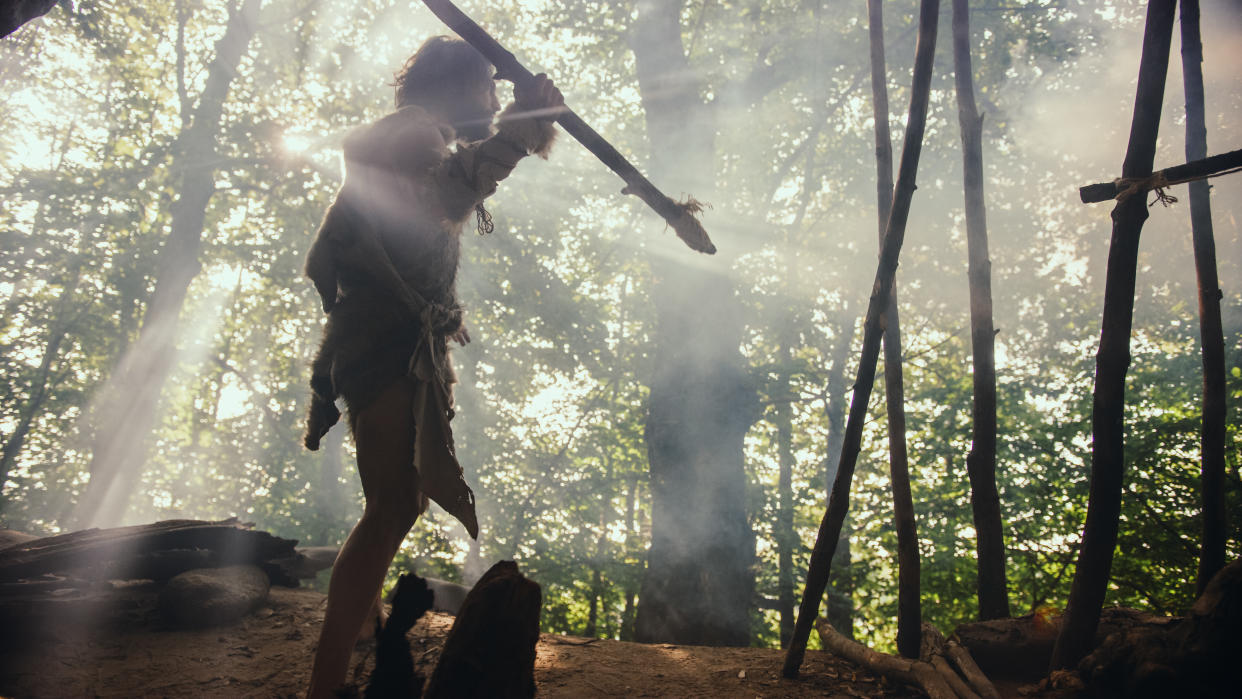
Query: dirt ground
[(268, 654)]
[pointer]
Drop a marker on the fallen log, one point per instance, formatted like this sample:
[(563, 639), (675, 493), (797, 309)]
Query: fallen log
[(919, 673), (151, 551), (490, 650)]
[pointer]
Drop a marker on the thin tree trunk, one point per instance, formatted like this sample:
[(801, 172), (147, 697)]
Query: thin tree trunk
[(909, 613), (1099, 537), (785, 539), (838, 502), (597, 584), (1212, 444), (839, 599), (631, 534), (993, 590), (699, 583), (133, 392)]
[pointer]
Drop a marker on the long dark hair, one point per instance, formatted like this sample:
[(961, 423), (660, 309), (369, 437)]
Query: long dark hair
[(441, 68)]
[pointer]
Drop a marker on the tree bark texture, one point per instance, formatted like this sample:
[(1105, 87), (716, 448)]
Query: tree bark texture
[(1212, 440), (981, 461), (129, 407), (1099, 539), (699, 583), (909, 612), (838, 501)]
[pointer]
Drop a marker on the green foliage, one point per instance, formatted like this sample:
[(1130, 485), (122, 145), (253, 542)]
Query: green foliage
[(552, 397)]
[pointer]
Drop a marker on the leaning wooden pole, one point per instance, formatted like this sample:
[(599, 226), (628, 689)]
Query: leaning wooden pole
[(1212, 439), (873, 330), (909, 609), (993, 591), (681, 216), (1099, 538)]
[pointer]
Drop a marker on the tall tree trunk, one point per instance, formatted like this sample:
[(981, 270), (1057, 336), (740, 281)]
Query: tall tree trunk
[(785, 537), (132, 394), (699, 583), (981, 461), (909, 613), (873, 329), (631, 533), (840, 597), (1099, 537), (1212, 441)]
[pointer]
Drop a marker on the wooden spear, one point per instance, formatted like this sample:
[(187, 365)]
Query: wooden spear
[(681, 216)]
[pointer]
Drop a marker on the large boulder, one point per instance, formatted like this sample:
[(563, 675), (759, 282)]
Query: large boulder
[(213, 596)]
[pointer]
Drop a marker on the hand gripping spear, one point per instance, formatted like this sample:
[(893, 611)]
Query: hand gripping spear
[(680, 216)]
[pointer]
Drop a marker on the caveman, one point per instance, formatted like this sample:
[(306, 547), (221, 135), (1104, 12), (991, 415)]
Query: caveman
[(384, 263)]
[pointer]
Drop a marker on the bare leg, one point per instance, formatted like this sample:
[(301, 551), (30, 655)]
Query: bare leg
[(384, 434)]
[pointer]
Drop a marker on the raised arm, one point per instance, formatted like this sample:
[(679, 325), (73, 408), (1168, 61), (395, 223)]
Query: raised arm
[(525, 127)]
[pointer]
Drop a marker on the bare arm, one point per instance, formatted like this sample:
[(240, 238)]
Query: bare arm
[(471, 174)]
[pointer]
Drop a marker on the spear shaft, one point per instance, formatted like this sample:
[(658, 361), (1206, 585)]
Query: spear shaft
[(679, 216)]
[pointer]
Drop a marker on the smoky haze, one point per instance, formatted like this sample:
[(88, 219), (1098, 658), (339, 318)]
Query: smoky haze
[(596, 331)]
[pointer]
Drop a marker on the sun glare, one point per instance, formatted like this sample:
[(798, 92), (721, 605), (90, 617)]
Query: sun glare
[(296, 144)]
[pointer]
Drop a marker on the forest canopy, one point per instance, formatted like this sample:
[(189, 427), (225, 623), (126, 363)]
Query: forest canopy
[(165, 166)]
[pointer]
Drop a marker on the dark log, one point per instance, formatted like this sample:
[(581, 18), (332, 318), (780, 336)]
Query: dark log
[(909, 608), (158, 550), (1020, 648), (1099, 539), (1212, 440), (838, 502), (1103, 191), (680, 216), (490, 651), (15, 13), (991, 585), (1196, 657)]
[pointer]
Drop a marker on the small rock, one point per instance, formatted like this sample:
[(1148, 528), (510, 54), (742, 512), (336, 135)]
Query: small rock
[(741, 675), (212, 596)]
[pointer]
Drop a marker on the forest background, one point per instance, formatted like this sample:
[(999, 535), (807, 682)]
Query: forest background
[(162, 178)]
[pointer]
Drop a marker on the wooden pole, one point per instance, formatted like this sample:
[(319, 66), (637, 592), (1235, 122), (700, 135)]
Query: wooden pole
[(1196, 169), (992, 588), (1099, 538), (680, 216), (909, 608), (1212, 440), (873, 330)]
